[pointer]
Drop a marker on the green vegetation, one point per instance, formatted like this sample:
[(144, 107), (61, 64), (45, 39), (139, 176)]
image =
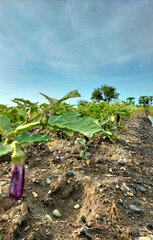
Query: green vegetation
[(18, 124)]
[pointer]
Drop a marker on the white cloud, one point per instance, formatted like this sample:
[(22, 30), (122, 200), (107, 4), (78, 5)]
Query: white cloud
[(75, 36)]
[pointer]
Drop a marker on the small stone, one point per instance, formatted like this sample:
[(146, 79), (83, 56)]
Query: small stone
[(35, 195), (99, 184), (123, 169), (5, 217), (17, 220), (104, 158), (141, 188), (69, 174), (77, 206), (121, 161), (85, 233), (48, 181), (134, 208), (130, 194), (62, 158), (24, 209), (98, 160), (56, 213), (48, 217), (13, 212), (83, 219), (3, 195), (110, 170), (49, 192), (149, 226)]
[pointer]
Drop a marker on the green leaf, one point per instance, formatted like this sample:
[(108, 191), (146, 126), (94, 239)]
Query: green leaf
[(82, 153), (103, 122), (72, 121), (25, 137), (4, 149), (81, 141), (5, 125), (51, 100), (71, 94), (23, 128)]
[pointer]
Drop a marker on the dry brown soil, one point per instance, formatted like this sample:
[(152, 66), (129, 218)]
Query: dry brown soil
[(93, 196)]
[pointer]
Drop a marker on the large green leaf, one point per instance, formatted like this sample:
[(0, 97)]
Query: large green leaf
[(5, 125), (86, 125), (25, 137), (4, 149), (51, 100), (71, 94), (23, 128)]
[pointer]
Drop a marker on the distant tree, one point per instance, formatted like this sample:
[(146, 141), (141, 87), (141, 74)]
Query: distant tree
[(130, 100), (143, 100), (97, 95), (151, 100), (104, 93)]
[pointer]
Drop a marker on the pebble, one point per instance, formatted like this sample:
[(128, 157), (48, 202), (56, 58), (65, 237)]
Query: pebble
[(134, 208), (85, 233), (123, 169), (130, 194), (13, 212), (77, 206), (69, 174), (49, 192), (104, 158), (56, 213), (3, 195), (121, 161), (149, 226), (62, 158), (34, 194), (141, 188), (17, 220), (24, 209), (48, 181), (110, 170), (98, 159), (5, 217), (99, 184), (48, 217), (83, 219)]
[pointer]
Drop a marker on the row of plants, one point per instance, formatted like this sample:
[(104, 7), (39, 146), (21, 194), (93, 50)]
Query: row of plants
[(87, 119)]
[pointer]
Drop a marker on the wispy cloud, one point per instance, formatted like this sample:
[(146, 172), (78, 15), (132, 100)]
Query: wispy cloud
[(82, 38)]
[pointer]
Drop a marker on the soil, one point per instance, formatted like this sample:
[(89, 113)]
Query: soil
[(93, 196)]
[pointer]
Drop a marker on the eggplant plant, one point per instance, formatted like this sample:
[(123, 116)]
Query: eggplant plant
[(13, 138)]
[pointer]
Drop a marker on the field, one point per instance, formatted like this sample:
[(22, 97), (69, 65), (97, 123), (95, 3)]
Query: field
[(88, 171)]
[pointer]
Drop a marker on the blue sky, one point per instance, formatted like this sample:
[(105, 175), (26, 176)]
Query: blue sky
[(54, 47)]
